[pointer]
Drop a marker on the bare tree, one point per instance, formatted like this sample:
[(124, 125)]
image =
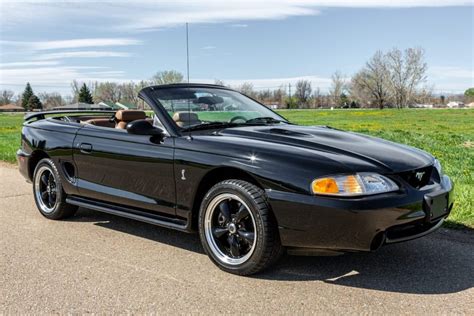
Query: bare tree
[(371, 83), (219, 82), (318, 100), (6, 97), (51, 100), (107, 91), (279, 95), (406, 71), (338, 87), (167, 76), (247, 89), (303, 91)]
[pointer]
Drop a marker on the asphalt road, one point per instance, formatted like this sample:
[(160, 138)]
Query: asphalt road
[(97, 263)]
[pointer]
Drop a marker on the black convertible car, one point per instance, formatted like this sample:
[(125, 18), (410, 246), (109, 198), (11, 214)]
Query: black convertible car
[(212, 160)]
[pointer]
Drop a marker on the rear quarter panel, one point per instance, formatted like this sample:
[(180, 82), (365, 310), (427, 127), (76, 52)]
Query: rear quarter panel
[(54, 138)]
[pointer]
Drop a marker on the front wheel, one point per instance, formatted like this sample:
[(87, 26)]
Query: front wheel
[(237, 229)]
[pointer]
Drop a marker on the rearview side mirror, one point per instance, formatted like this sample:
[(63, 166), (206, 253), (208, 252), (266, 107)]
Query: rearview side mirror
[(144, 127)]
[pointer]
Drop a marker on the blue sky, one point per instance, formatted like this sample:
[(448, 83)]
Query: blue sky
[(268, 43)]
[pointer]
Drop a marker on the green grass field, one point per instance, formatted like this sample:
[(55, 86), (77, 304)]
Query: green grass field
[(447, 134)]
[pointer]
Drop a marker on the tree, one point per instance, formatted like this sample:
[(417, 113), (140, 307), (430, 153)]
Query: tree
[(372, 81), (406, 70), (338, 87), (85, 95), (167, 76), (303, 91), (247, 89), (108, 91), (219, 82), (469, 95), (6, 97), (34, 103), (26, 96), (51, 100), (278, 95)]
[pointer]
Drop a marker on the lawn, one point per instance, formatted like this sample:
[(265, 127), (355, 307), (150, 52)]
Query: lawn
[(447, 134)]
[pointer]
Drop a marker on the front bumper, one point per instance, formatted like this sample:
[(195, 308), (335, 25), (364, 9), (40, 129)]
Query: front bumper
[(361, 224)]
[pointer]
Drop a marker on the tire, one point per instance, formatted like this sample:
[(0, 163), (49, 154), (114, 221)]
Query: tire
[(48, 192), (237, 228)]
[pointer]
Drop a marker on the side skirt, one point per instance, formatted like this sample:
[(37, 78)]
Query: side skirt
[(154, 219)]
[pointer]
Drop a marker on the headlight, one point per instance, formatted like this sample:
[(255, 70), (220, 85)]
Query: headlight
[(353, 185), (437, 165)]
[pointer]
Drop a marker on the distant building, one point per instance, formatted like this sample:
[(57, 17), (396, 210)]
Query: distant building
[(111, 105), (126, 105), (83, 106), (12, 107), (423, 106), (455, 104)]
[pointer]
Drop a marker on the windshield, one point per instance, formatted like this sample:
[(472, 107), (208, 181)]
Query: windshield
[(205, 107)]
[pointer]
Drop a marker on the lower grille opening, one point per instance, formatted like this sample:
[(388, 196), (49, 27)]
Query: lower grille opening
[(403, 231)]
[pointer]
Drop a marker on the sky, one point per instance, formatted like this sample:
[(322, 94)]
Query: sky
[(268, 43)]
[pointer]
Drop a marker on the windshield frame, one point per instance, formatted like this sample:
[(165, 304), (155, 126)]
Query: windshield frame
[(147, 94)]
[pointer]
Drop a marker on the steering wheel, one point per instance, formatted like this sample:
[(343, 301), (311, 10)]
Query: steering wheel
[(236, 118)]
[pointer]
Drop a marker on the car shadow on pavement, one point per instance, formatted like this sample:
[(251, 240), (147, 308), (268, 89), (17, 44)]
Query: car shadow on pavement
[(159, 234), (435, 264)]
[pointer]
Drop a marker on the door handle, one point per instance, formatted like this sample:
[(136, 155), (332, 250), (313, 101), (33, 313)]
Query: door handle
[(85, 148)]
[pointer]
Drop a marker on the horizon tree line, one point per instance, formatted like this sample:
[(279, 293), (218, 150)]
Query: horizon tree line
[(394, 78)]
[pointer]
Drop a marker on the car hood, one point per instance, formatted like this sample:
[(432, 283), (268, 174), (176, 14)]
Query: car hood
[(390, 156)]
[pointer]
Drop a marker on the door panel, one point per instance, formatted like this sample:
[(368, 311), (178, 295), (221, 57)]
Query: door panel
[(121, 168)]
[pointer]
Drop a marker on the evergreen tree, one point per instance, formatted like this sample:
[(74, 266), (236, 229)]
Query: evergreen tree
[(85, 95), (34, 103), (26, 96)]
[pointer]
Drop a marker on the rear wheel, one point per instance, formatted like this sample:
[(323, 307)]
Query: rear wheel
[(237, 229), (48, 191)]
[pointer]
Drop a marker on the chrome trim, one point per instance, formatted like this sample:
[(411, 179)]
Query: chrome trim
[(210, 238)]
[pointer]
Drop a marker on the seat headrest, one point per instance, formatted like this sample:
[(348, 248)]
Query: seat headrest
[(185, 117), (130, 115)]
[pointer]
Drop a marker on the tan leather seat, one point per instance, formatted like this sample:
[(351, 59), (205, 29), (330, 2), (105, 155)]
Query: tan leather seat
[(103, 122), (123, 117), (183, 119)]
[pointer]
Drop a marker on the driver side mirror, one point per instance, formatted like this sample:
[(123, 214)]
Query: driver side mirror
[(144, 127)]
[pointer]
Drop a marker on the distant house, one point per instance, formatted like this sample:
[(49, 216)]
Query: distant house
[(111, 105), (12, 107), (455, 104), (423, 106), (83, 106), (126, 105)]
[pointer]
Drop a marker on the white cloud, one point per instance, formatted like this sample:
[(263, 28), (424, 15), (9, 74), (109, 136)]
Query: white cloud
[(28, 64), (208, 47), (73, 43), (239, 25), (82, 54), (152, 14)]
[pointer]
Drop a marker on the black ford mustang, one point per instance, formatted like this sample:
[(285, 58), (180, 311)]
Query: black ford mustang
[(213, 160)]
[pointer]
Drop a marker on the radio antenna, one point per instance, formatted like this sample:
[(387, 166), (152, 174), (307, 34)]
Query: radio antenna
[(187, 51)]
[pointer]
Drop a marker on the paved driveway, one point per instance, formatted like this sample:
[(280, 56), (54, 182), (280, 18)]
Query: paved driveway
[(101, 263)]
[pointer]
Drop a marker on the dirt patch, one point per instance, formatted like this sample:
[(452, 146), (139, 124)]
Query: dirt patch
[(9, 165), (468, 144)]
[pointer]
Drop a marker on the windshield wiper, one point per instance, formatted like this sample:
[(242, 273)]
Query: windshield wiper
[(210, 125), (264, 119)]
